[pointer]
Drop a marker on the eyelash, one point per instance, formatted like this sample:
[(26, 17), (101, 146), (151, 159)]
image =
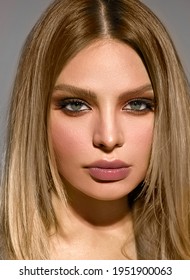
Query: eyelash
[(63, 104), (148, 103)]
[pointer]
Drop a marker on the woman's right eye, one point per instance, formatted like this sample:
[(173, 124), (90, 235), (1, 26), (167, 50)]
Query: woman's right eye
[(73, 106)]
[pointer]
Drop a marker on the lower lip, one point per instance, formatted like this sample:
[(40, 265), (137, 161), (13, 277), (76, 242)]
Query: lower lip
[(106, 174)]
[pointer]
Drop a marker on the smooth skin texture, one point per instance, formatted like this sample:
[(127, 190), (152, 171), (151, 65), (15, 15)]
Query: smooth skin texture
[(102, 109)]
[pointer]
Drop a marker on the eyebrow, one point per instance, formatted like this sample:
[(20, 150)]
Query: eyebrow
[(85, 93), (76, 91)]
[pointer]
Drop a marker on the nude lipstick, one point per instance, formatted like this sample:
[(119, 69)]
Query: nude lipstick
[(109, 170)]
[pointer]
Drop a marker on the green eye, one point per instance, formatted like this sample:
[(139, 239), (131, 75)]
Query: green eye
[(139, 105), (73, 105), (76, 106)]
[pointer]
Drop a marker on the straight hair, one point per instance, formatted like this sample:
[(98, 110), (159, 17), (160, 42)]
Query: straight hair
[(161, 204)]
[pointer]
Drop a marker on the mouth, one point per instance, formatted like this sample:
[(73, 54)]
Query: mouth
[(109, 170)]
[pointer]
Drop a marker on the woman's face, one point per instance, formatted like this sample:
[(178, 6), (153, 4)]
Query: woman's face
[(101, 120)]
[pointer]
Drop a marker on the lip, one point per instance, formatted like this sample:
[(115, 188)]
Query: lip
[(104, 170)]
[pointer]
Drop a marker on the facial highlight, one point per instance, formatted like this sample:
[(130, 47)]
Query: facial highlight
[(101, 121)]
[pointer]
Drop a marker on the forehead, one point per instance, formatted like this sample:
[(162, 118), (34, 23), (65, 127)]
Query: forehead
[(105, 64)]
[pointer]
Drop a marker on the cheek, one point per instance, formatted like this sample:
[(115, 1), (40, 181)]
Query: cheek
[(68, 140), (141, 136), (144, 136)]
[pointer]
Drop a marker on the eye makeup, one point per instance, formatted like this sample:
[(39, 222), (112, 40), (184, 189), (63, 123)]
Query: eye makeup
[(75, 101), (140, 105)]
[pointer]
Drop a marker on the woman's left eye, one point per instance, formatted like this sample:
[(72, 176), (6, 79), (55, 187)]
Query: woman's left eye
[(139, 105)]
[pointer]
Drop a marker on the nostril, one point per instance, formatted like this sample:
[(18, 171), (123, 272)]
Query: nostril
[(108, 134), (107, 147)]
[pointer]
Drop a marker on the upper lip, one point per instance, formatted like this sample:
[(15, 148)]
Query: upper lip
[(105, 164)]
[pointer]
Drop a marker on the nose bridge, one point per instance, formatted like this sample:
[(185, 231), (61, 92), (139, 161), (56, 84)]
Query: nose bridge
[(108, 129)]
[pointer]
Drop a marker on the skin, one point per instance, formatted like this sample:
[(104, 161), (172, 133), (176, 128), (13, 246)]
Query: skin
[(108, 126)]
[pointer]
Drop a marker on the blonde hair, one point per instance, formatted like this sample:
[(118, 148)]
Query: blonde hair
[(161, 204)]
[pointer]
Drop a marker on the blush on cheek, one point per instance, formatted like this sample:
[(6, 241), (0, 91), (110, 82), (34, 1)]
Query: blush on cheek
[(144, 139), (141, 133), (68, 141)]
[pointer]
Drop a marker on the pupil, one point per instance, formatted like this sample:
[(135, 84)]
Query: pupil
[(137, 104), (76, 105)]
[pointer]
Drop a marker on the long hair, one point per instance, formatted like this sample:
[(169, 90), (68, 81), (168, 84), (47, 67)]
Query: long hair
[(161, 209)]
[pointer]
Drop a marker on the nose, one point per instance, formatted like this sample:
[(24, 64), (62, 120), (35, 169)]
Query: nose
[(108, 133)]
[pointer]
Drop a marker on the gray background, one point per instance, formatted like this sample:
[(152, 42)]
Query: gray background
[(18, 16)]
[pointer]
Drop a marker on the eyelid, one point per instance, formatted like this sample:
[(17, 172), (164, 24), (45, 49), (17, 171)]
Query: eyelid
[(148, 101), (62, 104), (68, 100)]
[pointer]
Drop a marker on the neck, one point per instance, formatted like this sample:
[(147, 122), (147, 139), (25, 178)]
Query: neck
[(90, 211), (88, 222)]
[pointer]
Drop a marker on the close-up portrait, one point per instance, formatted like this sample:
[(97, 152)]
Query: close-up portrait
[(95, 131)]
